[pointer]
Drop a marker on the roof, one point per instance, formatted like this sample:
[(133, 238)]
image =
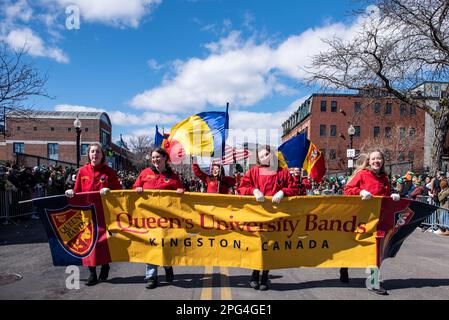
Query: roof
[(65, 115)]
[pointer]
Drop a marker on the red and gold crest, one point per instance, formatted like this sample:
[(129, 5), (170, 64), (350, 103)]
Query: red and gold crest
[(76, 229)]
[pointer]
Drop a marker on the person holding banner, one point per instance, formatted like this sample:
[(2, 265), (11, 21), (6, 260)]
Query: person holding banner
[(266, 179), (216, 182), (159, 176), (96, 175), (369, 179)]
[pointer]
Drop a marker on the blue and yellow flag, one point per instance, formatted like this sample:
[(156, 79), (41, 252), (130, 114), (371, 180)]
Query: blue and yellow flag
[(300, 152), (203, 134), (159, 138)]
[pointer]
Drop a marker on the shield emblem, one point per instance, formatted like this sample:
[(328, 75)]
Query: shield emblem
[(75, 228)]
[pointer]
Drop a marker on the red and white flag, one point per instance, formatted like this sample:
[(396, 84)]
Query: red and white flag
[(233, 155)]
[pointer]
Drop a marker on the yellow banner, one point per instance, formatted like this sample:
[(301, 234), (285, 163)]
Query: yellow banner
[(192, 229)]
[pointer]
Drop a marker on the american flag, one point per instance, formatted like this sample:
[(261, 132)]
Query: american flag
[(232, 155)]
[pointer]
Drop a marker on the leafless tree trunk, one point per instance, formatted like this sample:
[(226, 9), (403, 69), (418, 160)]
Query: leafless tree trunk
[(399, 45)]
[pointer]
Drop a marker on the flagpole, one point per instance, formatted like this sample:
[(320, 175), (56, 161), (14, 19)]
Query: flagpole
[(223, 144)]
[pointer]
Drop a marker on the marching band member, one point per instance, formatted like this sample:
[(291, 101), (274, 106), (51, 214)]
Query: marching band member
[(96, 175), (159, 176)]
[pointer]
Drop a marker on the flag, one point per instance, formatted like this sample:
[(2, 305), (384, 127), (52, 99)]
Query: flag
[(300, 152), (159, 139), (233, 155), (203, 134)]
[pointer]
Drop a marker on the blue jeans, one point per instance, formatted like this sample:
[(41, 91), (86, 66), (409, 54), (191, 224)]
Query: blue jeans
[(151, 271)]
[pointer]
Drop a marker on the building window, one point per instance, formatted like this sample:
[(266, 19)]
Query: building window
[(411, 156), (332, 154), (86, 129), (412, 110), (35, 128), (18, 128), (84, 147), (52, 129), (52, 151), (333, 106), (19, 147), (357, 107), (323, 106), (401, 156), (323, 152), (69, 129), (376, 132), (333, 132), (401, 133), (387, 155), (357, 131), (403, 109), (322, 130), (388, 108), (104, 138), (377, 107), (412, 134), (387, 132)]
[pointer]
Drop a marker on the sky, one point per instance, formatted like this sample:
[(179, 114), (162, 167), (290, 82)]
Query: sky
[(156, 62)]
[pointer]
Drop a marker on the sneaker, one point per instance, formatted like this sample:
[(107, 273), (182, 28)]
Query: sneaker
[(169, 276), (264, 281), (92, 280), (344, 276), (151, 283), (381, 291), (104, 273), (438, 232), (254, 281)]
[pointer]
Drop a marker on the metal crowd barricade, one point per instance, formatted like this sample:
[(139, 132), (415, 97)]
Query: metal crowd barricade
[(439, 218), (10, 207)]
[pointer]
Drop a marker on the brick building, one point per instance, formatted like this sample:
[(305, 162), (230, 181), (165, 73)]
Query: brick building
[(51, 134), (395, 128)]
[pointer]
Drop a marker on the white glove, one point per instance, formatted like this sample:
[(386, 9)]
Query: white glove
[(259, 195), (278, 197), (69, 193), (139, 189), (366, 195), (180, 190), (395, 197), (104, 191)]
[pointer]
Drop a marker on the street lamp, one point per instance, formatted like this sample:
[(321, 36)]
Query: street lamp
[(351, 133), (77, 125), (147, 158)]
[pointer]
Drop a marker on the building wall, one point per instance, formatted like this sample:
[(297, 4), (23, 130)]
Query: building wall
[(37, 133), (344, 115)]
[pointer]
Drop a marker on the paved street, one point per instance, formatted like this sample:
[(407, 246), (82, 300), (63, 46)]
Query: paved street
[(420, 271)]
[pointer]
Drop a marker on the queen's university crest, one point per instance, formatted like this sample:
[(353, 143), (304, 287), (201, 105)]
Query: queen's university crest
[(75, 229), (313, 154)]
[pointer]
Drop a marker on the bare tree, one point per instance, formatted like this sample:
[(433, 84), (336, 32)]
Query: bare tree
[(19, 80), (141, 147), (399, 45)]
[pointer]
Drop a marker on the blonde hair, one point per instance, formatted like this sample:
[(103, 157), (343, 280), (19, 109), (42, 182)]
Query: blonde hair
[(362, 163)]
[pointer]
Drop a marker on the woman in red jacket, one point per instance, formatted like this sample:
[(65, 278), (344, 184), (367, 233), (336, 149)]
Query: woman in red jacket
[(159, 176), (369, 179), (215, 180), (95, 176), (266, 179)]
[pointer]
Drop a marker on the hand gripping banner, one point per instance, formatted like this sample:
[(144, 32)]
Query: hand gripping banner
[(194, 229)]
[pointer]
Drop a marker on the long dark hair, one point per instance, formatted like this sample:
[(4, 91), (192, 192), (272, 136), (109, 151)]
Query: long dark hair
[(222, 171), (165, 154)]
